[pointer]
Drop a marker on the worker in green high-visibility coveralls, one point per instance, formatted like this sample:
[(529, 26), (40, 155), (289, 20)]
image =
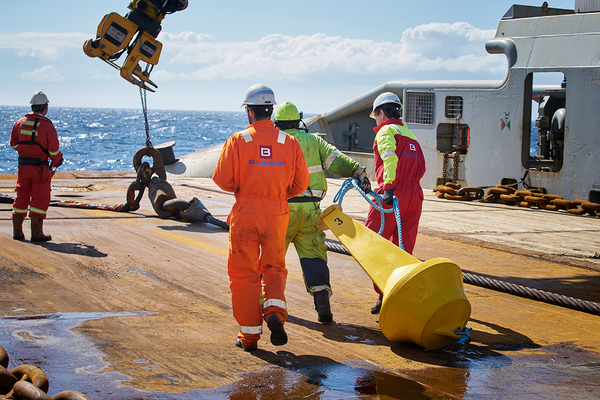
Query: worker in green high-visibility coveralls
[(303, 231)]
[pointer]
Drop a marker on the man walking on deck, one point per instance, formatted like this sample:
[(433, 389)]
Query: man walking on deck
[(35, 139), (303, 231), (263, 167), (399, 166)]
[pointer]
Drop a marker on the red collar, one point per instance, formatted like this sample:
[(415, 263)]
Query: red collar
[(388, 122)]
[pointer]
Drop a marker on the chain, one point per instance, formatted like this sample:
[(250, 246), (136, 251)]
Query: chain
[(145, 110), (455, 167), (445, 168)]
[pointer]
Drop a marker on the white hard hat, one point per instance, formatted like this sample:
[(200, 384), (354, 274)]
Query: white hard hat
[(39, 98), (259, 95), (385, 98)]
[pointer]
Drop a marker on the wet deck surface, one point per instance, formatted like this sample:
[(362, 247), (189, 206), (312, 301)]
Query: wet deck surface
[(129, 306)]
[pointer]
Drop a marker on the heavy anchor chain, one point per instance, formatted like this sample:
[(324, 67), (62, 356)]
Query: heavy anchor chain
[(160, 192), (28, 382)]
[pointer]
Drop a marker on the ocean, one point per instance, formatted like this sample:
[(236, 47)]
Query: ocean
[(106, 139)]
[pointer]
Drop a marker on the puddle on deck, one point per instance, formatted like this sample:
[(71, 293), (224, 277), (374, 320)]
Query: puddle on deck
[(74, 361)]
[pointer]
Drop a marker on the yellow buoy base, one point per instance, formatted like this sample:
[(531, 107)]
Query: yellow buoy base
[(425, 303)]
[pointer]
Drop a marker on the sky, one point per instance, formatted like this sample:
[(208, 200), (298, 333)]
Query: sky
[(316, 54)]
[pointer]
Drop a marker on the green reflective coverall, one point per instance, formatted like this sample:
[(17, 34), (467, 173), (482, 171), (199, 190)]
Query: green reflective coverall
[(308, 239)]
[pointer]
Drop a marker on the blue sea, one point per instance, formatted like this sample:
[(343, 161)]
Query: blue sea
[(93, 139)]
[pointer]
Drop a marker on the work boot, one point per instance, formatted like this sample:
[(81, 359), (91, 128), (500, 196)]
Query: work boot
[(377, 307), (37, 234), (248, 346), (18, 227), (278, 335), (322, 306)]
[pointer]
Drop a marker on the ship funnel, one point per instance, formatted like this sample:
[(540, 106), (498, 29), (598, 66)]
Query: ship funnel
[(503, 46)]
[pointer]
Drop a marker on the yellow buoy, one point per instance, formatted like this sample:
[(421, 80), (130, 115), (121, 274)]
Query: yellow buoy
[(423, 302)]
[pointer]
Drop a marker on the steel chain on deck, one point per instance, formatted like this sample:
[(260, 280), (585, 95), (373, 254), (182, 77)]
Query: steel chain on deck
[(455, 167), (445, 167), (28, 382)]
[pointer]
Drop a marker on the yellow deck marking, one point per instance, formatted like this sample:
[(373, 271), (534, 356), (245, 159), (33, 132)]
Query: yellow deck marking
[(190, 242)]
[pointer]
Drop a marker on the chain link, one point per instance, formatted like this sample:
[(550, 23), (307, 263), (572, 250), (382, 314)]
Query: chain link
[(445, 168), (145, 110), (455, 167)]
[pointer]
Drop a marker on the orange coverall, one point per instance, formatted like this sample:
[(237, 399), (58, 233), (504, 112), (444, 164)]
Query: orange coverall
[(263, 167), (33, 181)]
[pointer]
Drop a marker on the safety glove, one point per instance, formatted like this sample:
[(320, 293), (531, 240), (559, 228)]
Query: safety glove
[(363, 182), (388, 197)]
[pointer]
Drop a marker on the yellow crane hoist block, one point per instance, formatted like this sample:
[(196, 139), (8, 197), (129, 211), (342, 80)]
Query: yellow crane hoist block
[(133, 35)]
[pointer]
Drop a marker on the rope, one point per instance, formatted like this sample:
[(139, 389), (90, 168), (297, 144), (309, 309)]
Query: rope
[(507, 287), (353, 183), (468, 277), (89, 206), (212, 220), (531, 293)]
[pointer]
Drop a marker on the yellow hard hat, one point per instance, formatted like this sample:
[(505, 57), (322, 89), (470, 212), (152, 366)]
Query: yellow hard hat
[(287, 111)]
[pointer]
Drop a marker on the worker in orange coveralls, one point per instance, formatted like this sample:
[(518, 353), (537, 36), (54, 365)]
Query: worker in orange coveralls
[(263, 167), (35, 139)]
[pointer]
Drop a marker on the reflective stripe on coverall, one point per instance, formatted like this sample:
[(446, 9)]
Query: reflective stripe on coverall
[(34, 181), (399, 165), (263, 167), (302, 230)]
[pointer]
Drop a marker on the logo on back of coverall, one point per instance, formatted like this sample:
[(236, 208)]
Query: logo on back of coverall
[(266, 152)]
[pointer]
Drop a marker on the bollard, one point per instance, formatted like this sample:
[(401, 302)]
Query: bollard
[(423, 302)]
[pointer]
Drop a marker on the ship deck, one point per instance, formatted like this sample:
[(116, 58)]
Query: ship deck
[(127, 305)]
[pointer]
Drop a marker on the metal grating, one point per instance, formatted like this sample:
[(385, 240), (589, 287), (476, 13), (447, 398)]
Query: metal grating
[(454, 107), (419, 108)]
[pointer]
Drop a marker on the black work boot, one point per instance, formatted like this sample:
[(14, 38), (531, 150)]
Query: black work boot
[(18, 227), (278, 335), (37, 233), (322, 306), (377, 307)]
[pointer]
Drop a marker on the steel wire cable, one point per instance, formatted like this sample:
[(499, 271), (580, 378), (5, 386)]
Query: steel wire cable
[(468, 277), (212, 220), (510, 288), (535, 294)]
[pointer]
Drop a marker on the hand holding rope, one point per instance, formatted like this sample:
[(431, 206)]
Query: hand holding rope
[(353, 183)]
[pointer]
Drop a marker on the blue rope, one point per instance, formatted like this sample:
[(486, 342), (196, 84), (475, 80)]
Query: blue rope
[(353, 183)]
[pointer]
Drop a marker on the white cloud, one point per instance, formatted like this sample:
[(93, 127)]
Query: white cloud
[(163, 76), (101, 76), (187, 37), (46, 73), (430, 47), (47, 46)]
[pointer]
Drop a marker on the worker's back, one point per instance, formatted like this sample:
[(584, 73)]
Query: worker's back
[(262, 163)]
